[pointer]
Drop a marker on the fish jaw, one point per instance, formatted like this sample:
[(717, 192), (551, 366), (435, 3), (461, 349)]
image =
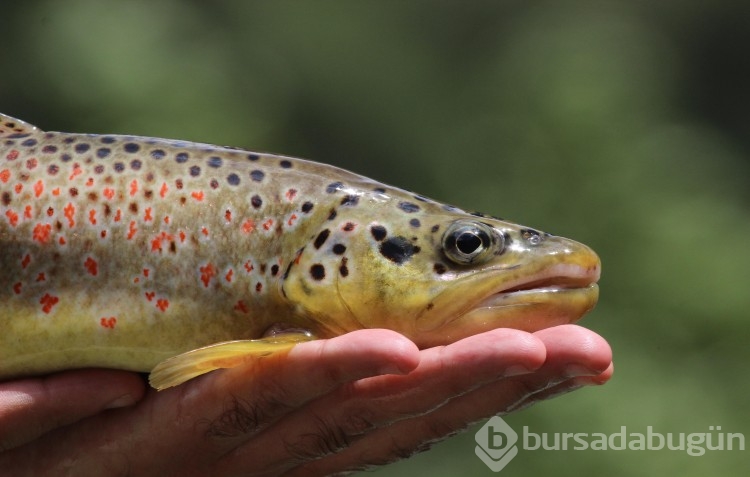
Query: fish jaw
[(557, 285)]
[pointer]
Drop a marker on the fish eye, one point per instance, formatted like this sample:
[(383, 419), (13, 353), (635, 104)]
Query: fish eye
[(466, 242)]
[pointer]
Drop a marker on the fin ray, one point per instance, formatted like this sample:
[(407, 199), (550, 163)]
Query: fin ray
[(228, 354)]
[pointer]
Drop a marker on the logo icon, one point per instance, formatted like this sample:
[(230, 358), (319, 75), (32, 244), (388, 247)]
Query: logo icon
[(496, 444)]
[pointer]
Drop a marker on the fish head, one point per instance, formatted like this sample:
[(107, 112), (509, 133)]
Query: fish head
[(438, 274)]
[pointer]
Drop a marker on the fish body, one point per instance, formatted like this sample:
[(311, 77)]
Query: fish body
[(122, 251)]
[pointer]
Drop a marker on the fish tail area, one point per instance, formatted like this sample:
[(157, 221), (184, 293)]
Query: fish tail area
[(10, 127), (228, 354)]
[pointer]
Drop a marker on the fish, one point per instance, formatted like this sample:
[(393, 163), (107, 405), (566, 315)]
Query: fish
[(179, 258)]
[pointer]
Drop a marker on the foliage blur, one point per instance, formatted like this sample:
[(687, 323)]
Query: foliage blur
[(623, 124)]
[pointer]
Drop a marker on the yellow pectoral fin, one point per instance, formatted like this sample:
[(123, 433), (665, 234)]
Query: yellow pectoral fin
[(228, 354)]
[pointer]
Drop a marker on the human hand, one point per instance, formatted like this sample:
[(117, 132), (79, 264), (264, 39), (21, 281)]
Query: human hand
[(366, 398)]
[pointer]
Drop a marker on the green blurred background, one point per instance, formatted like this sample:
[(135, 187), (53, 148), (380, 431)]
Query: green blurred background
[(623, 124)]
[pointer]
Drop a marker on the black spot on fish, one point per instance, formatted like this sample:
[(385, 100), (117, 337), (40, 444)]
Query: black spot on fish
[(65, 157), (379, 190), (92, 196), (214, 161), (53, 169), (256, 201), (257, 175), (195, 171), (307, 207), (285, 164), (107, 140), (73, 191), (119, 167), (135, 165), (332, 215), (29, 142), (343, 269), (339, 249), (318, 271), (6, 198), (334, 186), (348, 227), (173, 247), (133, 207), (49, 149), (181, 157), (274, 270), (253, 157), (131, 147), (378, 232), (178, 183), (350, 200), (435, 228), (439, 268), (99, 169), (107, 210), (103, 152), (415, 223), (321, 238), (233, 179), (398, 249), (214, 184), (159, 154), (408, 207)]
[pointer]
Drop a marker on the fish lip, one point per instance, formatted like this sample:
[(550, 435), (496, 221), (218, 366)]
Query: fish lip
[(560, 278)]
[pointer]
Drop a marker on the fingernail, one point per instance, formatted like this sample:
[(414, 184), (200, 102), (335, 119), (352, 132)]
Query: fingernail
[(122, 401)]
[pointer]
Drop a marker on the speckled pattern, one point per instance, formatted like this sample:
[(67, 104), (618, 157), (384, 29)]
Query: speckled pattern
[(121, 251)]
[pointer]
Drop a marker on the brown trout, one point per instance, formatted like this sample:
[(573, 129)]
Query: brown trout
[(123, 251)]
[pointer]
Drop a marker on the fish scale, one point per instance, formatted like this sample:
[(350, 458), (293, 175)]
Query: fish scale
[(122, 251)]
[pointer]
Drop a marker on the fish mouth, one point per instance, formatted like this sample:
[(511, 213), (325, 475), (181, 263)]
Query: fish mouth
[(555, 282), (555, 295)]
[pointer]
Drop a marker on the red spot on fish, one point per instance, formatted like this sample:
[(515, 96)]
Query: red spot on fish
[(147, 217), (108, 193), (162, 304), (61, 241), (92, 266), (348, 227), (69, 212), (92, 216), (146, 272), (32, 163), (132, 229), (90, 182), (249, 266), (204, 231), (41, 232), (248, 226), (241, 307), (18, 188), (41, 277), (268, 224), (157, 241), (197, 195), (133, 187), (118, 215), (4, 176), (103, 233), (182, 236), (12, 155), (77, 171), (38, 188), (27, 212), (150, 295), (108, 322), (228, 276), (56, 191), (207, 273), (25, 261), (164, 189), (291, 220), (12, 217), (166, 219), (48, 301), (290, 194), (17, 288), (228, 215), (50, 212)]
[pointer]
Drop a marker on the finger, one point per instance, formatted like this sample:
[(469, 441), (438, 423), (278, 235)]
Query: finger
[(406, 437), (31, 407), (332, 423)]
